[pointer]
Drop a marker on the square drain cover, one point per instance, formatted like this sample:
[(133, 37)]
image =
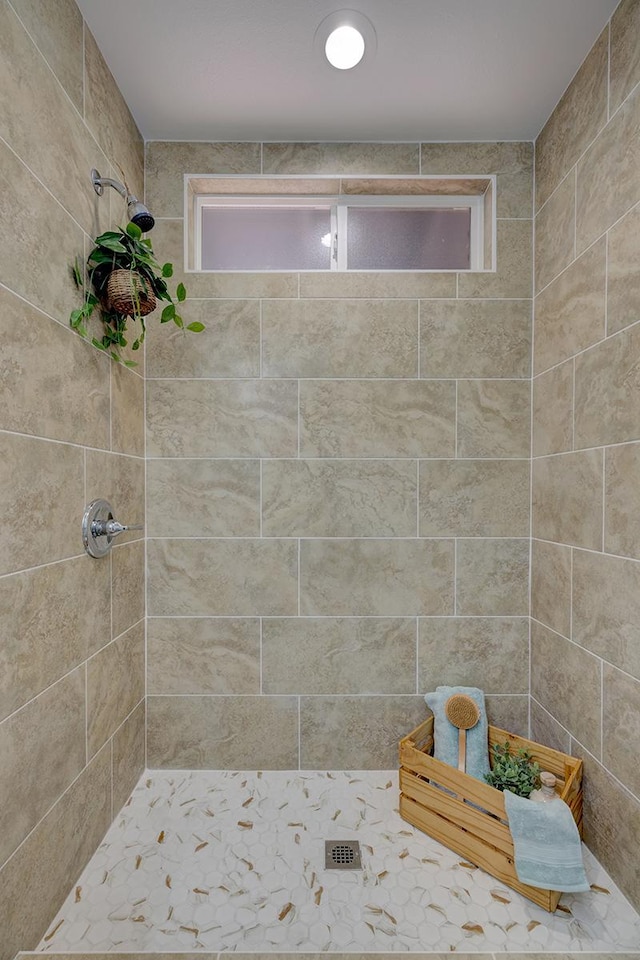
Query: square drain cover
[(342, 855)]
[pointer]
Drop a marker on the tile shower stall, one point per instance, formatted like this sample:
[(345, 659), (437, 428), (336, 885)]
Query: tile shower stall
[(355, 487)]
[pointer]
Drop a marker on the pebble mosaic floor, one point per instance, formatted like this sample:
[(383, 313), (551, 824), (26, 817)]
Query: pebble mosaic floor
[(234, 861)]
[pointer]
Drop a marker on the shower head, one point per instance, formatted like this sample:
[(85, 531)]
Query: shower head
[(136, 211)]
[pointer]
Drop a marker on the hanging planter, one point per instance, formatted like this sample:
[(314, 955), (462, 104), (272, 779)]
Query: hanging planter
[(125, 281)]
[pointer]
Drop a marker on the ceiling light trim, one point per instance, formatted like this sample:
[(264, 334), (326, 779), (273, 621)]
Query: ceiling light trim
[(345, 18)]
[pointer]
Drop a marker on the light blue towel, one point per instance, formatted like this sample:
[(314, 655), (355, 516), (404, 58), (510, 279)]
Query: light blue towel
[(546, 843), (445, 735)]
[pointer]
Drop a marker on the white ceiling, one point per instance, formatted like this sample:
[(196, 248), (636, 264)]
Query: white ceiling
[(248, 70)]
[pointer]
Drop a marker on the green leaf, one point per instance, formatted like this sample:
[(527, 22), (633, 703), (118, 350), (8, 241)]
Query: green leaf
[(75, 317), (196, 326), (135, 345), (167, 270), (134, 230), (97, 344), (177, 319), (77, 273), (181, 293), (130, 363), (114, 245), (169, 313)]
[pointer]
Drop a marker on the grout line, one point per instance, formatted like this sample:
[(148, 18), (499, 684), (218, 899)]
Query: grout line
[(597, 553), (455, 577), (417, 498), (70, 443), (609, 68), (571, 552), (417, 655), (419, 333), (260, 658), (604, 496), (601, 757)]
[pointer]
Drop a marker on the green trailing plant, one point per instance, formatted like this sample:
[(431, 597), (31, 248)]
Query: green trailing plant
[(516, 772), (125, 250)]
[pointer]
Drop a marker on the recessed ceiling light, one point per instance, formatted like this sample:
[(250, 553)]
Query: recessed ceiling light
[(345, 39)]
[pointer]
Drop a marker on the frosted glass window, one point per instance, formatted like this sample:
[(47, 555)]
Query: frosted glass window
[(267, 238), (400, 239)]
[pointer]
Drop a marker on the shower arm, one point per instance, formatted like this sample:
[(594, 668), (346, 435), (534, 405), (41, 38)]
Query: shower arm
[(99, 183)]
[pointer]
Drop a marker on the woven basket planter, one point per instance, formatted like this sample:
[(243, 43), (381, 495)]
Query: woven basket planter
[(130, 294)]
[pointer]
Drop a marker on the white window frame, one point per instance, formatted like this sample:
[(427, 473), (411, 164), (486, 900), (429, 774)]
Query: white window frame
[(338, 205)]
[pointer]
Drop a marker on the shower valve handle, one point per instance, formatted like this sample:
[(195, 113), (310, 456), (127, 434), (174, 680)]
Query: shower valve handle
[(112, 528), (99, 528)]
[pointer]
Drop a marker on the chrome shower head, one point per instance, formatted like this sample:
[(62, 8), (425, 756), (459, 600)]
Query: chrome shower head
[(139, 215)]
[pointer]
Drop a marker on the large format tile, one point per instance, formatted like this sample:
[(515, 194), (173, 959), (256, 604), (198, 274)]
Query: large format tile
[(570, 312), (203, 498), (344, 338), (623, 272), (367, 284), (127, 411), (546, 730), (621, 726), (607, 391), (128, 583), (120, 480), (555, 233), (331, 655), (226, 418), (492, 578), (580, 114), (167, 162), (49, 477), (474, 498), (552, 418), (223, 577), (622, 500), (37, 879), (377, 419), (341, 158), (129, 747), (509, 712), (494, 418), (376, 577), (567, 499), (511, 162), (487, 652), (625, 52), (42, 750), (203, 655), (339, 498), (551, 585), (57, 32), (51, 619), (566, 680), (195, 733), (355, 733), (606, 608), (115, 685), (229, 346), (475, 338), (513, 265)]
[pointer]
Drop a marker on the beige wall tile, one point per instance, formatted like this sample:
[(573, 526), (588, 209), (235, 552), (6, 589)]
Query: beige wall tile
[(467, 338), (509, 713), (492, 578), (622, 500), (127, 411), (109, 118), (553, 411), (474, 498), (57, 32), (570, 312), (192, 655), (621, 726), (607, 393), (42, 750), (127, 576), (487, 652), (43, 238), (226, 418), (551, 585), (128, 756), (576, 120), (625, 53), (546, 730), (339, 498), (115, 685), (611, 825), (51, 476), (206, 498), (606, 608), (36, 881), (51, 619), (567, 499), (609, 174), (623, 272), (511, 161), (325, 722), (166, 162), (513, 277), (229, 346), (377, 419), (555, 233), (339, 656), (347, 338), (576, 705), (389, 284), (223, 578), (376, 577), (120, 480), (494, 418), (223, 732), (341, 158)]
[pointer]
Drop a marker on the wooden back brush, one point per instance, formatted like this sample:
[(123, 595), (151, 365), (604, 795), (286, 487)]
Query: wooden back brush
[(462, 711)]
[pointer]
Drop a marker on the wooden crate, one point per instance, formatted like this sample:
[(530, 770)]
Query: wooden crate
[(480, 836)]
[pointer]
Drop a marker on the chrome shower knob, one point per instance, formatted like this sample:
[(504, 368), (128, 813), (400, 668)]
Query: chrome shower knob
[(99, 528)]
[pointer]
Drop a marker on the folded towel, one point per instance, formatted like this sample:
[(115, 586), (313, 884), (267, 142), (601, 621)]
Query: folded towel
[(546, 843), (445, 735)]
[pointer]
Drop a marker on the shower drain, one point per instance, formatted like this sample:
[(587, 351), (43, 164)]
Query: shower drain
[(342, 855)]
